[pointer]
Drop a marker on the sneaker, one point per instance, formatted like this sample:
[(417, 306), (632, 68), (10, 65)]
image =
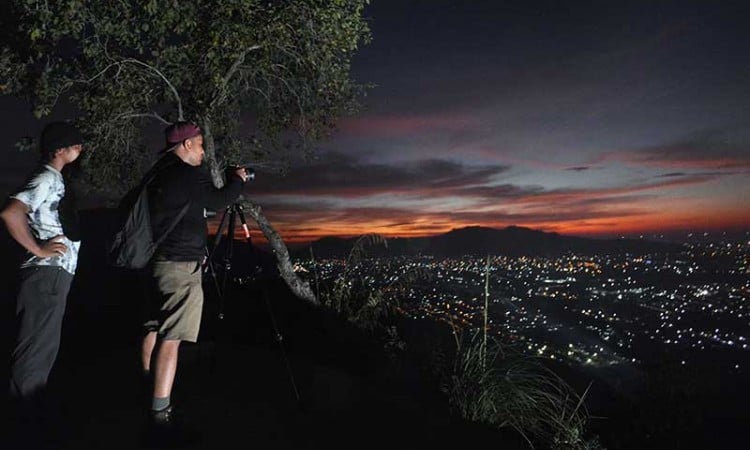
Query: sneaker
[(165, 431), (163, 418)]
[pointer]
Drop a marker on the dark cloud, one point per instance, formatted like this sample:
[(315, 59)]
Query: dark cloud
[(492, 205), (578, 168), (672, 174), (343, 176), (536, 195), (501, 192), (705, 150)]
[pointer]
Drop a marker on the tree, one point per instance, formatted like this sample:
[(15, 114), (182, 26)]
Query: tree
[(261, 78)]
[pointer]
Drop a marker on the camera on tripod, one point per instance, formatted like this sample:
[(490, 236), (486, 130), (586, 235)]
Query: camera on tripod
[(248, 168), (209, 213)]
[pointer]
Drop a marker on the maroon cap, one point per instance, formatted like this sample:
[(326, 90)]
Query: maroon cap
[(178, 132)]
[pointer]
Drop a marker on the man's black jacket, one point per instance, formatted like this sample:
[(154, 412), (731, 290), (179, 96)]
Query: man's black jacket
[(176, 183)]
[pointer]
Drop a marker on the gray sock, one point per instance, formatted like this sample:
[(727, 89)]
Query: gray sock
[(159, 403)]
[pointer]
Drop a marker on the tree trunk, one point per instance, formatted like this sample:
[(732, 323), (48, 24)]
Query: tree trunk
[(300, 288), (209, 146)]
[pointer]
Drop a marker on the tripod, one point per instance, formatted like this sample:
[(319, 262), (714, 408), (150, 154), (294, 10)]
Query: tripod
[(229, 219)]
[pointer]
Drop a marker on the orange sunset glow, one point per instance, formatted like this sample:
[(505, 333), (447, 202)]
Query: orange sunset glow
[(424, 226)]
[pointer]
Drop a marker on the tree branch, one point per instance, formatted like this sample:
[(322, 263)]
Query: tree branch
[(151, 68), (151, 115), (222, 91), (166, 80), (101, 72), (301, 288)]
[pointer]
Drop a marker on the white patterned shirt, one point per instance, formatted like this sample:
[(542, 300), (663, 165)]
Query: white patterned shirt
[(42, 194)]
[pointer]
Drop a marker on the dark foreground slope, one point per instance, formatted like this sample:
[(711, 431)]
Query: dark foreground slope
[(233, 387)]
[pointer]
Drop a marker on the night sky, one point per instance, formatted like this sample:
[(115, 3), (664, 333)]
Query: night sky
[(585, 118)]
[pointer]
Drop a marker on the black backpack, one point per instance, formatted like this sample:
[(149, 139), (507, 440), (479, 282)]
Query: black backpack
[(133, 244)]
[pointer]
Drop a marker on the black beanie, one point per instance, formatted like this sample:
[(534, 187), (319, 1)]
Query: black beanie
[(58, 135)]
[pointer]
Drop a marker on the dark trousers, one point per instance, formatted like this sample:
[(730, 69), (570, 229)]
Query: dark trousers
[(39, 312)]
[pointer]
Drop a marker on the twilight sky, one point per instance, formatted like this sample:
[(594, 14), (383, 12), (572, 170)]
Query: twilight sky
[(586, 118)]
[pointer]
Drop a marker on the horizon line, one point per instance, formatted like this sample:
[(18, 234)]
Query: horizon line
[(650, 234)]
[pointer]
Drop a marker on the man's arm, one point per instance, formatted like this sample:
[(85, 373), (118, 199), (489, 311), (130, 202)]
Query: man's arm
[(213, 198), (14, 216)]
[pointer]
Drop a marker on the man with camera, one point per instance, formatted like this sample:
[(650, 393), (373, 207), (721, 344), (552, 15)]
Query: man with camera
[(174, 311)]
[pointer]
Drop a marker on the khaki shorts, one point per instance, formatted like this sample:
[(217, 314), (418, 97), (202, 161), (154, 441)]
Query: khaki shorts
[(176, 302)]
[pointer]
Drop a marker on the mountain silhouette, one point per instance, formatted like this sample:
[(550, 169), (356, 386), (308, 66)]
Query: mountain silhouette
[(476, 240)]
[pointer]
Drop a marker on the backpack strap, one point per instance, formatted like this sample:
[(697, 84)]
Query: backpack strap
[(152, 173), (172, 225)]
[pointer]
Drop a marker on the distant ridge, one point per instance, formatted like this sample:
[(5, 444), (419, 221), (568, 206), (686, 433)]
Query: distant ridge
[(477, 240)]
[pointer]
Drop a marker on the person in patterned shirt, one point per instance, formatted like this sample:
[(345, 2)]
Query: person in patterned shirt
[(32, 219)]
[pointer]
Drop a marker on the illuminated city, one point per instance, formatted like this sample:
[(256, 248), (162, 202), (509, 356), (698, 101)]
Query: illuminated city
[(602, 310)]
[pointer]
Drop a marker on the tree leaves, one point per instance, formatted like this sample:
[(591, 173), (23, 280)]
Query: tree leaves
[(283, 64)]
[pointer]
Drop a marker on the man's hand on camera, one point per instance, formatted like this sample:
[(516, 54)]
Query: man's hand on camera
[(241, 173)]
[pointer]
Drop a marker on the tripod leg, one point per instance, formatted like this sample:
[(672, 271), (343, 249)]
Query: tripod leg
[(228, 218), (217, 239), (219, 316), (228, 254), (209, 267), (244, 223), (280, 340)]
